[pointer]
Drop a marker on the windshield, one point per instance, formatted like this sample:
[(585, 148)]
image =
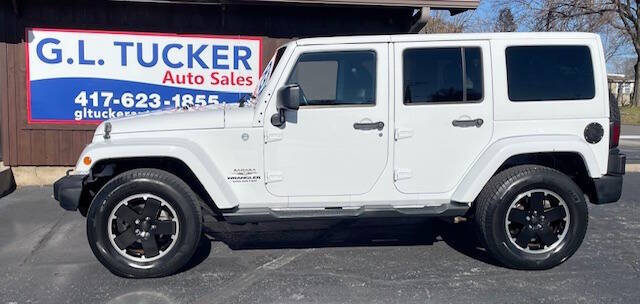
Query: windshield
[(268, 70)]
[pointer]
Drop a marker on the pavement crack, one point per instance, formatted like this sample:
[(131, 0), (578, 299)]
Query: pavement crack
[(282, 260), (432, 280), (42, 241), (236, 286)]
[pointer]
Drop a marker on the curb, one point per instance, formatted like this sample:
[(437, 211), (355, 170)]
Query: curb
[(38, 176), (632, 168), (623, 137)]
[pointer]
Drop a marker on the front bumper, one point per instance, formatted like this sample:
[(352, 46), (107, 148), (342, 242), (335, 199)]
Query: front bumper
[(68, 191), (608, 188)]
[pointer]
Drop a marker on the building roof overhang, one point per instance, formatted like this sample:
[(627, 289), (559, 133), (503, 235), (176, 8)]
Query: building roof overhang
[(434, 4)]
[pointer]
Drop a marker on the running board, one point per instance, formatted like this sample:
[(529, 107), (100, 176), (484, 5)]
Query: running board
[(254, 215)]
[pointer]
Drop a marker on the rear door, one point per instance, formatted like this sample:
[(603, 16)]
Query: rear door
[(443, 112)]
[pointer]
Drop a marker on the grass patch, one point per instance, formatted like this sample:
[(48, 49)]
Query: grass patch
[(630, 115)]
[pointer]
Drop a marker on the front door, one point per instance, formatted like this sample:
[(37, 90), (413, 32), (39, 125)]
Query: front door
[(337, 142), (443, 111)]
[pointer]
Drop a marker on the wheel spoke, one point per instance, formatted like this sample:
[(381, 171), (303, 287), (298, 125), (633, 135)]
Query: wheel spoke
[(165, 227), (125, 239), (556, 213), (150, 247), (536, 201), (151, 208), (524, 237), (127, 214), (547, 236), (518, 216)]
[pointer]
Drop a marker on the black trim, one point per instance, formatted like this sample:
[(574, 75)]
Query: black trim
[(251, 215), (68, 190), (608, 189), (616, 163)]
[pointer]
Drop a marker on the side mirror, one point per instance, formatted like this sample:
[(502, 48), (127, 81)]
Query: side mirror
[(289, 98)]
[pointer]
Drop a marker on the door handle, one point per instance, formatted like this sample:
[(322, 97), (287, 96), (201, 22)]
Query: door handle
[(468, 123), (369, 125)]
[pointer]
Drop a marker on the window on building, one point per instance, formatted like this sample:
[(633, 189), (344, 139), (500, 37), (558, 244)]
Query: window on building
[(538, 73), (435, 75), (336, 78)]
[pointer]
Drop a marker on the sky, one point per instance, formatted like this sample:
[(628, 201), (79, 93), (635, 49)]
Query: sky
[(483, 19)]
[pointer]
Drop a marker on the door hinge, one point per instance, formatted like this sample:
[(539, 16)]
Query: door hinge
[(403, 133), (272, 136), (400, 174), (274, 176)]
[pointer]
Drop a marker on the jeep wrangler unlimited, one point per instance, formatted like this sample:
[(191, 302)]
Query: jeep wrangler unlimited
[(513, 131)]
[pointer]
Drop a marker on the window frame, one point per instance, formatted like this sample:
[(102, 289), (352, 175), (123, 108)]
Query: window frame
[(593, 73), (464, 74), (355, 105)]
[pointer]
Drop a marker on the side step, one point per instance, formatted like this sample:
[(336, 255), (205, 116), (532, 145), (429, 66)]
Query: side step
[(254, 215)]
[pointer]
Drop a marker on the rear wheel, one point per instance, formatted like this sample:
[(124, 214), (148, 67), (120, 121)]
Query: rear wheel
[(144, 223), (531, 217)]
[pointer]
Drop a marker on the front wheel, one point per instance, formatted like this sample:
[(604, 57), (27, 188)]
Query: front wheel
[(144, 223), (531, 217)]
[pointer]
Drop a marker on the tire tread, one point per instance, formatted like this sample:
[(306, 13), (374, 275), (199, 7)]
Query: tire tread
[(489, 198), (159, 176)]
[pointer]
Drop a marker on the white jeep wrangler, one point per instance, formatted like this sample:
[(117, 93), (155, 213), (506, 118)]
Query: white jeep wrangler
[(513, 131)]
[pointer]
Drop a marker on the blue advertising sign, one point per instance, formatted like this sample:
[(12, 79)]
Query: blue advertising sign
[(78, 76)]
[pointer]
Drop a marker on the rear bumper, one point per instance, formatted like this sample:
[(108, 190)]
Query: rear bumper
[(68, 191), (608, 188)]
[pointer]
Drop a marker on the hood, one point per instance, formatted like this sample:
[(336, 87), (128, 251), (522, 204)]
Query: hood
[(203, 117)]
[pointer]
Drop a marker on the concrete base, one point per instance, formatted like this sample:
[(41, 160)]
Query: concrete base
[(7, 183), (632, 168), (38, 176)]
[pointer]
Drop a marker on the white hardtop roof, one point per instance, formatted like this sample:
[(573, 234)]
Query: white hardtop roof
[(443, 37)]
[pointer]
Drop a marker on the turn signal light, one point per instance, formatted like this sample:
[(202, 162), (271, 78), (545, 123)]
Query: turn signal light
[(614, 137), (86, 160)]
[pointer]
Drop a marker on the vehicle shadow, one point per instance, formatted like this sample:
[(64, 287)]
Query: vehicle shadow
[(342, 233)]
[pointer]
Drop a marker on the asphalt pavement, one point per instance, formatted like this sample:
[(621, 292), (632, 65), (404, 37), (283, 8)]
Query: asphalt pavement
[(45, 258)]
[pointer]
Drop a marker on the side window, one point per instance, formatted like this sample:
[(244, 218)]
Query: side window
[(538, 73), (433, 75), (336, 78), (473, 79)]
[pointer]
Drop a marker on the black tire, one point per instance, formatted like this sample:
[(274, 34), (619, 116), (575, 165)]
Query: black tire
[(162, 189), (501, 236)]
